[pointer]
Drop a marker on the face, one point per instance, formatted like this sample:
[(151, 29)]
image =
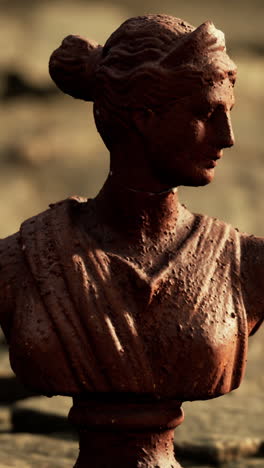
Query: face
[(186, 141)]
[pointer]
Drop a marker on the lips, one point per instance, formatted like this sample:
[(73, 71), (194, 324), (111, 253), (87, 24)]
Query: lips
[(211, 163), (212, 160), (217, 156)]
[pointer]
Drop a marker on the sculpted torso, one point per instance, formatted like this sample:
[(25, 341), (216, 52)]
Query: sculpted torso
[(173, 325), (130, 292)]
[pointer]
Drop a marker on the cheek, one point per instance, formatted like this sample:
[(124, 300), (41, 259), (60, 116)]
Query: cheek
[(198, 132), (190, 136)]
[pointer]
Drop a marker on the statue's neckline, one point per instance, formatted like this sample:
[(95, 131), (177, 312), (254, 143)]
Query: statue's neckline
[(148, 274)]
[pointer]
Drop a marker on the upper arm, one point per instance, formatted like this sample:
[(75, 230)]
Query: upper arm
[(10, 255), (252, 279)]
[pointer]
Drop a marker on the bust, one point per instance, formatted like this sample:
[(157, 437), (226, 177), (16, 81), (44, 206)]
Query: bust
[(128, 302)]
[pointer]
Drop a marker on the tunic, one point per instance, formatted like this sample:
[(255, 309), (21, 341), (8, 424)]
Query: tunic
[(79, 319)]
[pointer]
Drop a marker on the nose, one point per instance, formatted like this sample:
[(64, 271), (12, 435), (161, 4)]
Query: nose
[(223, 130), (228, 134)]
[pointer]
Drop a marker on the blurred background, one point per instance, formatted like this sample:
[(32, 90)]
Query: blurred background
[(49, 147)]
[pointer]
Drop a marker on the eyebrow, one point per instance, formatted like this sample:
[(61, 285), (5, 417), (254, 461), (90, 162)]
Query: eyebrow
[(217, 103)]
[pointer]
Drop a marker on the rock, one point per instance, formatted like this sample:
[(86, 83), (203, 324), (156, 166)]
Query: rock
[(29, 451), (218, 451), (247, 463), (5, 368), (5, 420), (42, 415)]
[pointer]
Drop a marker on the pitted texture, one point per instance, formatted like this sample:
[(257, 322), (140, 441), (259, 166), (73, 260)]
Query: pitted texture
[(145, 63), (73, 65), (11, 267), (89, 321)]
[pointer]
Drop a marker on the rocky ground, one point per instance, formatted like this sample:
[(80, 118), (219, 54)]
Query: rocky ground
[(49, 149), (227, 432)]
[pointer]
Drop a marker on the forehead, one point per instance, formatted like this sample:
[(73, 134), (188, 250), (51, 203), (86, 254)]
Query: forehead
[(218, 92)]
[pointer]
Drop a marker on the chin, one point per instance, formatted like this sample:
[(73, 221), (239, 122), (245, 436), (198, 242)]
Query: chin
[(197, 178)]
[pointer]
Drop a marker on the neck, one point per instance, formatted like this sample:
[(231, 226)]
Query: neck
[(136, 215)]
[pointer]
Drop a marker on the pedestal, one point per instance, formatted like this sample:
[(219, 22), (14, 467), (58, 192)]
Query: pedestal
[(126, 434)]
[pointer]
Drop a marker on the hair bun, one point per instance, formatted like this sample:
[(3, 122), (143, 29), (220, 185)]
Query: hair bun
[(72, 66)]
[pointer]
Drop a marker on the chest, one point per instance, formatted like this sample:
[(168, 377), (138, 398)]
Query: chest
[(178, 332)]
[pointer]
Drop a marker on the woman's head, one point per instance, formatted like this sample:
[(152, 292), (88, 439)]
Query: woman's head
[(146, 63)]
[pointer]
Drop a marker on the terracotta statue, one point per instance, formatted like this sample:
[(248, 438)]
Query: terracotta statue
[(128, 302)]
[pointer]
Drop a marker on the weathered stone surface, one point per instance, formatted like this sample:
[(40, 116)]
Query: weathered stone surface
[(231, 426), (217, 430), (239, 418), (54, 135), (36, 27)]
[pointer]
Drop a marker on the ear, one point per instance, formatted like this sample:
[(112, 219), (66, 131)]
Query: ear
[(143, 120)]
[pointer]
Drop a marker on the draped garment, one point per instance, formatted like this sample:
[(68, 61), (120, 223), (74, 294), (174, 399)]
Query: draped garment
[(85, 320)]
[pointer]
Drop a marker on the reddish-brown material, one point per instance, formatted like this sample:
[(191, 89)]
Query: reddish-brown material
[(134, 433), (129, 303), (112, 324)]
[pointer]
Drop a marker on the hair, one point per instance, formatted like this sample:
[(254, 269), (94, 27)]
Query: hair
[(147, 61)]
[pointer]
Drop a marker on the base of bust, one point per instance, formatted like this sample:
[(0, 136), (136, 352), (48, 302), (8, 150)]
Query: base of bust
[(126, 434), (128, 449)]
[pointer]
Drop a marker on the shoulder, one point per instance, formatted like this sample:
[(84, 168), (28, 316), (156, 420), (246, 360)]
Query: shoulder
[(50, 234), (61, 209), (214, 239), (252, 249), (245, 253), (244, 256), (10, 262), (217, 235), (59, 216), (9, 256), (14, 249), (252, 278)]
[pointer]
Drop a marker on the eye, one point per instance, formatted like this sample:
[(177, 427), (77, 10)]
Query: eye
[(204, 114)]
